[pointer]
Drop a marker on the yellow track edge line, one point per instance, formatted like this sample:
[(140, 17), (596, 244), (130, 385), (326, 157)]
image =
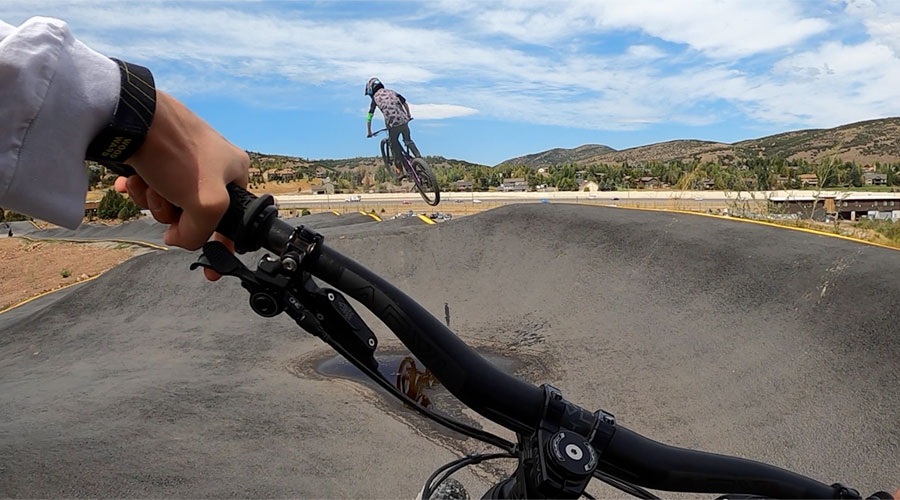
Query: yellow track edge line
[(22, 303), (764, 223), (426, 219), (105, 240), (335, 212), (374, 216)]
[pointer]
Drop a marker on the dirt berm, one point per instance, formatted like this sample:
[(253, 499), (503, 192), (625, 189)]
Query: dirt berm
[(725, 336)]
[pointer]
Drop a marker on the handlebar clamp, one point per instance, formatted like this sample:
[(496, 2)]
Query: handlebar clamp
[(559, 459)]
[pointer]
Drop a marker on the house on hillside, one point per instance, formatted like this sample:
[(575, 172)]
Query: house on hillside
[(589, 186), (283, 175), (514, 184), (257, 176), (873, 179), (649, 183), (324, 188), (808, 179), (462, 185)]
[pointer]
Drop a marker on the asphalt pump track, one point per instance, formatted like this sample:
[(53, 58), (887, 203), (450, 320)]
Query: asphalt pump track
[(706, 333)]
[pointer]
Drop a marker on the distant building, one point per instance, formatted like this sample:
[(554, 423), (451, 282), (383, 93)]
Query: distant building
[(324, 188), (589, 186), (808, 179), (850, 207), (462, 185), (514, 184), (256, 176), (649, 183), (284, 175), (873, 179)]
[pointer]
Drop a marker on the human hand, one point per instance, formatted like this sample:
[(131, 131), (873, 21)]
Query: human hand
[(183, 167)]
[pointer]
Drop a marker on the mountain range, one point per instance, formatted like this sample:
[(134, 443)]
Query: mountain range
[(865, 142)]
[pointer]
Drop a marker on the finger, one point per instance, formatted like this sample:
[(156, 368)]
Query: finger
[(194, 227), (120, 184), (137, 190), (160, 208), (209, 273)]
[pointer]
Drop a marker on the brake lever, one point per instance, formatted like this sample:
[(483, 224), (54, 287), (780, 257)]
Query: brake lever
[(323, 312), (217, 257)]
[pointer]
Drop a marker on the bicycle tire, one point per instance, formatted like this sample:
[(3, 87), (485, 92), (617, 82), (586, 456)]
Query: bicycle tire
[(426, 182)]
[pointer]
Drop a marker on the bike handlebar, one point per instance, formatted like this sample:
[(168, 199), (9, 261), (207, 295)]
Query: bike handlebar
[(510, 401)]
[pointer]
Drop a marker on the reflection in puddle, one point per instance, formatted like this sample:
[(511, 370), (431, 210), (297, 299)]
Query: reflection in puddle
[(413, 382), (409, 375)]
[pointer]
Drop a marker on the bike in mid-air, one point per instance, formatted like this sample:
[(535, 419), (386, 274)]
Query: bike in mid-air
[(416, 169)]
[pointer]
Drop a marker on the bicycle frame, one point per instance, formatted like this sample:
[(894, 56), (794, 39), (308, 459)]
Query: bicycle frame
[(405, 157)]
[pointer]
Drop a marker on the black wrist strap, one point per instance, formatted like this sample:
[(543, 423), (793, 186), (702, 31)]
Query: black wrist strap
[(131, 120)]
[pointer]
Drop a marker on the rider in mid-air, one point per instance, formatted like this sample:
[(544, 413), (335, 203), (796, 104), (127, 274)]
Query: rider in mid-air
[(396, 118)]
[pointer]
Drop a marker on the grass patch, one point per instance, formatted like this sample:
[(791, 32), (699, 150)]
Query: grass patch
[(888, 229)]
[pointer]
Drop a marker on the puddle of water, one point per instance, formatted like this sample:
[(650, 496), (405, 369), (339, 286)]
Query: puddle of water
[(412, 377)]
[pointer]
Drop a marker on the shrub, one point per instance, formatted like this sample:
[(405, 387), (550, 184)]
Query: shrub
[(891, 230), (11, 216), (114, 205)]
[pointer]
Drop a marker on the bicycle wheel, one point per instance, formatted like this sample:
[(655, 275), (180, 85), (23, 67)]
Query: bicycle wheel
[(386, 155), (426, 182)]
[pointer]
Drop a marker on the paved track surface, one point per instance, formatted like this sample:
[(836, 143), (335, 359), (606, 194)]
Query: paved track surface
[(713, 334)]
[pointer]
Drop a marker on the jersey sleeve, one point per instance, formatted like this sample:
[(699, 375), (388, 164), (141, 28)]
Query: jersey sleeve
[(57, 94)]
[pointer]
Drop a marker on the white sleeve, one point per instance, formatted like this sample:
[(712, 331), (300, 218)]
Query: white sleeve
[(55, 95)]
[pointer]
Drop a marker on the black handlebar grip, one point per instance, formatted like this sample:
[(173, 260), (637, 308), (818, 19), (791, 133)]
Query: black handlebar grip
[(239, 199)]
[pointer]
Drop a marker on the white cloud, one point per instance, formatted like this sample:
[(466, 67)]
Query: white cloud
[(645, 52), (470, 56), (717, 28), (439, 111), (881, 19)]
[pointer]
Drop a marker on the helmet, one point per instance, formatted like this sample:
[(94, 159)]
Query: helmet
[(374, 85)]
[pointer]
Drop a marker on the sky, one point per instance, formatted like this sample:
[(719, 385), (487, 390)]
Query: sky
[(491, 80)]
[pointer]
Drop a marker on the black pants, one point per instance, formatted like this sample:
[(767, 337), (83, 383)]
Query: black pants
[(394, 138)]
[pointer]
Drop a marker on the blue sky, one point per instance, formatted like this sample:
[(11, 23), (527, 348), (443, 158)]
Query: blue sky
[(490, 80)]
